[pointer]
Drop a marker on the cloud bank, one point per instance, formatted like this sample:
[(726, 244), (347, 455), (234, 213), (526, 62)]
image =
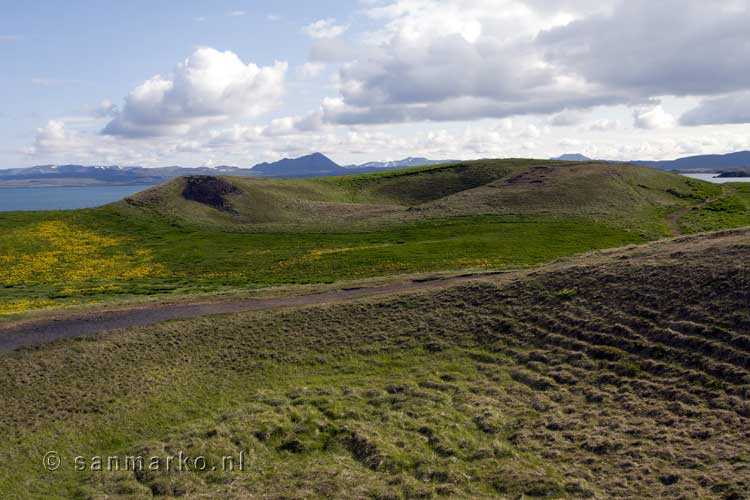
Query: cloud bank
[(730, 109), (580, 74), (470, 59)]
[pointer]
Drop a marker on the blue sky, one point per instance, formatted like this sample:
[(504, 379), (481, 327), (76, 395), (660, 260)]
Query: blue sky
[(60, 58), (246, 81)]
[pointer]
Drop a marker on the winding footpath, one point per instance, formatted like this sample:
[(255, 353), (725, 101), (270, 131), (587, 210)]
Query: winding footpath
[(44, 330), (674, 219)]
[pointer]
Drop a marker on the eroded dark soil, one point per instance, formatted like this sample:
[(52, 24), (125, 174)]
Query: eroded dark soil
[(209, 191)]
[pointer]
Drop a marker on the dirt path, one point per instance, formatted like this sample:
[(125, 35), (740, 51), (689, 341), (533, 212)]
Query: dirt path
[(674, 219), (45, 330)]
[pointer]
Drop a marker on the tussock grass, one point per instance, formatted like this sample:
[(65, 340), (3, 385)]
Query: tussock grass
[(636, 386)]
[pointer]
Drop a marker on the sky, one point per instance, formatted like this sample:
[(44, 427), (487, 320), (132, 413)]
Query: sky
[(237, 82)]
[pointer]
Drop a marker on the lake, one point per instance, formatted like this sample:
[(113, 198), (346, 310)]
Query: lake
[(63, 198), (717, 180)]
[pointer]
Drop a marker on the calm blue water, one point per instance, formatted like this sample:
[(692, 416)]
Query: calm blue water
[(63, 198), (717, 180)]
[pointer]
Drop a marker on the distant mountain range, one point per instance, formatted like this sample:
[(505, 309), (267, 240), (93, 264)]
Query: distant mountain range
[(314, 165), (713, 163), (80, 175), (405, 163), (572, 157), (319, 165), (704, 163)]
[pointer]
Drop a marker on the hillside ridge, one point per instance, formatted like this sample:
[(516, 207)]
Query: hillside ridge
[(464, 188)]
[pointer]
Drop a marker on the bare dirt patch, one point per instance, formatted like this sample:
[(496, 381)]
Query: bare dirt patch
[(48, 329)]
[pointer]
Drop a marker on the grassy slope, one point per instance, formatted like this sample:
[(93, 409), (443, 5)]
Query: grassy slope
[(476, 215), (618, 374), (731, 210)]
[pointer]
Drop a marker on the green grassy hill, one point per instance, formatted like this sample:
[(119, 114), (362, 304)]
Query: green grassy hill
[(206, 234), (497, 187), (618, 374)]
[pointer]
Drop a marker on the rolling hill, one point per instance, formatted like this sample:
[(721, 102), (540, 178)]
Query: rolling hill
[(616, 374), (218, 235), (469, 188)]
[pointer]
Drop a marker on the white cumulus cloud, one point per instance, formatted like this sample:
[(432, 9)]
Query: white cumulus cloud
[(452, 60), (653, 118), (208, 86), (455, 60), (599, 66), (52, 134)]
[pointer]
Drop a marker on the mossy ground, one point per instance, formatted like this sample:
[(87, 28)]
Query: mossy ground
[(620, 374)]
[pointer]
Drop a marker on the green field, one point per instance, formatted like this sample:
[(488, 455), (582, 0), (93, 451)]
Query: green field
[(497, 214), (568, 382), (731, 210)]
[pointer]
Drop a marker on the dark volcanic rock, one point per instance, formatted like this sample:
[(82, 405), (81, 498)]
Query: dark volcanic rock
[(209, 191)]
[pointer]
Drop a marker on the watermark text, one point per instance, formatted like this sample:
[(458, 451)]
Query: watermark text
[(179, 462)]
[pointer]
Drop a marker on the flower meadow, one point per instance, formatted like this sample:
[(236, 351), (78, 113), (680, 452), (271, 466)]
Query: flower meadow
[(73, 259)]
